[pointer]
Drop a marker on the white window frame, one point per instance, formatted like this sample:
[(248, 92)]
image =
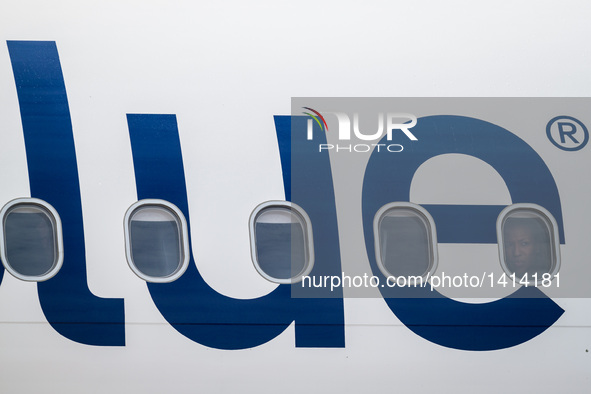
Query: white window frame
[(183, 235), (56, 224), (423, 214), (545, 215), (308, 239)]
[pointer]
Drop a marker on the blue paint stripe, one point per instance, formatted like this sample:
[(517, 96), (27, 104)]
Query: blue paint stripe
[(189, 304), (495, 325), (67, 303), (465, 223), (284, 123)]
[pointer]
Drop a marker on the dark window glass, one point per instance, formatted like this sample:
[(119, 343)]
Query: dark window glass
[(30, 240), (405, 243), (281, 243), (156, 247), (528, 245)]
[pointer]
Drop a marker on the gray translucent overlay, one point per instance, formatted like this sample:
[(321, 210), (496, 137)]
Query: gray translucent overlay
[(467, 170)]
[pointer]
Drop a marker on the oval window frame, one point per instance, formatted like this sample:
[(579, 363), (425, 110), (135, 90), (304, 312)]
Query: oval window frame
[(183, 235), (308, 239), (57, 233), (423, 214), (548, 219)]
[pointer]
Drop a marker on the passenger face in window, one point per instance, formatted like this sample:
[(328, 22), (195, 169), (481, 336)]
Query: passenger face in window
[(524, 243)]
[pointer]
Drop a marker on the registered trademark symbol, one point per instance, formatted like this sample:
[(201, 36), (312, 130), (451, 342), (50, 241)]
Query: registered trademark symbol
[(567, 133)]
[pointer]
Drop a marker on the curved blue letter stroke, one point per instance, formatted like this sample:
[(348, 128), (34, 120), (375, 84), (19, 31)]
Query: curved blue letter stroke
[(495, 325), (69, 306), (189, 304)]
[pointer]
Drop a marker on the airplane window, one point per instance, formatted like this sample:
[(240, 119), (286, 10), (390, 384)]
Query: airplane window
[(406, 242), (156, 241), (31, 243), (528, 241), (281, 242)]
